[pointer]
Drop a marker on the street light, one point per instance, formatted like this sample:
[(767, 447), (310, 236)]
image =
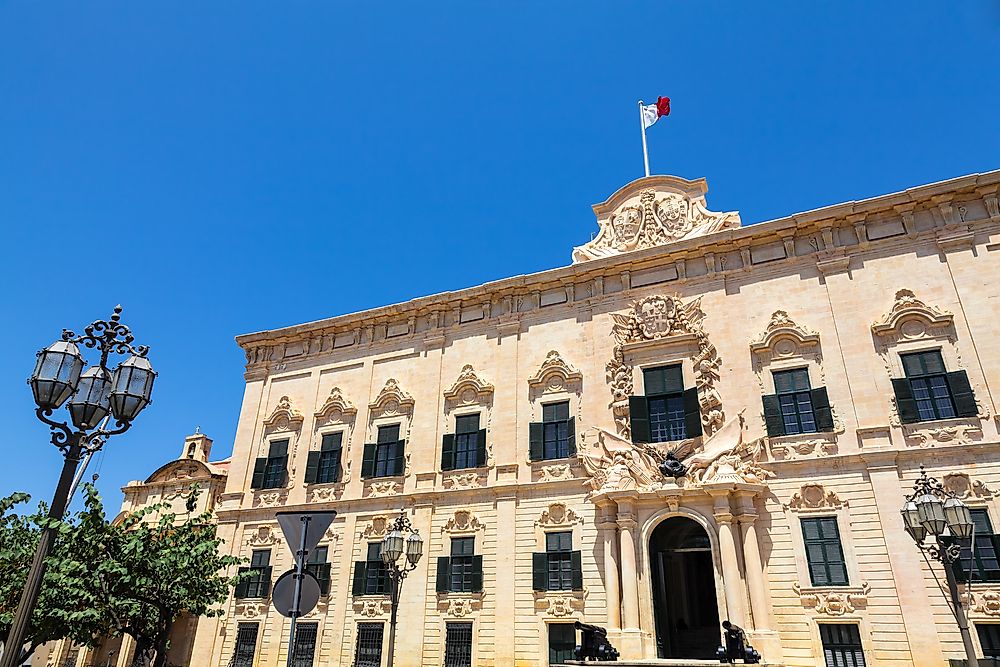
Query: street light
[(92, 395), (932, 510), (390, 550)]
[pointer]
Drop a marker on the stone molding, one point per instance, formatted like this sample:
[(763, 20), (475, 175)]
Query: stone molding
[(261, 536), (910, 318), (555, 374), (782, 327), (284, 417), (814, 497), (336, 410), (833, 601), (965, 487), (558, 515), (469, 389), (463, 522), (391, 401)]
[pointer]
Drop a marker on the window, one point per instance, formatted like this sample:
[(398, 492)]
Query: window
[(842, 645), (929, 392), (371, 576), (824, 552), (318, 566), (558, 568), (979, 563), (384, 458), (246, 644), (258, 584), (270, 472), (667, 412), (305, 644), (989, 639), (462, 572), (368, 650), (466, 448), (323, 467), (555, 436), (458, 645), (562, 643), (795, 407)]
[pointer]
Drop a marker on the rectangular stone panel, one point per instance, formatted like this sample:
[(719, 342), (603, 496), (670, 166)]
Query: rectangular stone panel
[(653, 276)]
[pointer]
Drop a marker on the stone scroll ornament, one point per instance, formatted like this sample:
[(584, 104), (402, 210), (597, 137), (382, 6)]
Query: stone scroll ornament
[(656, 317), (656, 219)]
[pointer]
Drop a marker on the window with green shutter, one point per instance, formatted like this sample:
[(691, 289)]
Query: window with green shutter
[(667, 412), (796, 407), (319, 567), (842, 645), (270, 472), (258, 583), (466, 447), (824, 552), (555, 436), (979, 557), (929, 392), (384, 457), (558, 568), (562, 643), (328, 466)]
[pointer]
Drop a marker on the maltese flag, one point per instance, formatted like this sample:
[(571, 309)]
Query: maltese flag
[(652, 112)]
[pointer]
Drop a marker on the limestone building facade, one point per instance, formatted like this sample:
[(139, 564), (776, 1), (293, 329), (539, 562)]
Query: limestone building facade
[(694, 421)]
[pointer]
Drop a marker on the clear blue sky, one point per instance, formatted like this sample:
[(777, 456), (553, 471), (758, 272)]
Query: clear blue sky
[(227, 167)]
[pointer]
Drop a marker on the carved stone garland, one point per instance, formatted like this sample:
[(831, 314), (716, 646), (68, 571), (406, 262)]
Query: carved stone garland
[(656, 317)]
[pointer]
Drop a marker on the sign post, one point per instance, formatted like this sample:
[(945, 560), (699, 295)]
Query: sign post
[(304, 529)]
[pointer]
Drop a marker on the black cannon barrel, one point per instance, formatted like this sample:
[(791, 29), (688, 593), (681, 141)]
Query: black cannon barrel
[(586, 627)]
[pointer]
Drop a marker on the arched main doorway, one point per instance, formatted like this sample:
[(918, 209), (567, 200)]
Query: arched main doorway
[(685, 606)]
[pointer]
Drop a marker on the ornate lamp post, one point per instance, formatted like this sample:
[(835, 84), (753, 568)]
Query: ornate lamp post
[(92, 396), (391, 549), (930, 511)]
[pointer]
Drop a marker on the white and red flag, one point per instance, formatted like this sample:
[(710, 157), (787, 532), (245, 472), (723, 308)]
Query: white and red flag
[(653, 112), (649, 114)]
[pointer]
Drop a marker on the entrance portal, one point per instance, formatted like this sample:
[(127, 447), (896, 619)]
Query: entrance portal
[(685, 607)]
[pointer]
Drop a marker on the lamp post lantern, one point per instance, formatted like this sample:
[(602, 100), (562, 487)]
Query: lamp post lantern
[(393, 546), (93, 397), (933, 511)]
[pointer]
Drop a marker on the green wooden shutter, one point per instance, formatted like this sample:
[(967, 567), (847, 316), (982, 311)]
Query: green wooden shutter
[(571, 435), (368, 461), (638, 411), (692, 413), (399, 461), (443, 583), (481, 447), (284, 471), (576, 562), (360, 574), (312, 467), (906, 405), (257, 481), (241, 587), (961, 394), (772, 415), (265, 575), (536, 439), (448, 452), (821, 409), (540, 571), (477, 574)]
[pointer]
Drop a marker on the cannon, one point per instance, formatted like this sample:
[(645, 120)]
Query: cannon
[(735, 646), (594, 644)]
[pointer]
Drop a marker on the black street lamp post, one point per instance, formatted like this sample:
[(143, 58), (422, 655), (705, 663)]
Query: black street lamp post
[(92, 396), (391, 550), (933, 511)]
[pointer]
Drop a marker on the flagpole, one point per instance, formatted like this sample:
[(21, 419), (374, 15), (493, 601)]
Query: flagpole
[(645, 151)]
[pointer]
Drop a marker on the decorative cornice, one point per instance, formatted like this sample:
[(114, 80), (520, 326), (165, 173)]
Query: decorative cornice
[(907, 307), (284, 417), (391, 400), (814, 496), (469, 389), (336, 404), (464, 521), (782, 326), (558, 516), (554, 368)]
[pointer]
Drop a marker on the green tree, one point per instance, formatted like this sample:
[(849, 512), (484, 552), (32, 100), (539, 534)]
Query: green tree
[(132, 576)]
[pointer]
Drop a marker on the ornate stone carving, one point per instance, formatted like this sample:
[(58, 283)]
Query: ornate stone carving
[(469, 389), (273, 498), (391, 400), (464, 521), (656, 317), (555, 472), (250, 609), (670, 210), (558, 515), (814, 496), (262, 536), (910, 318), (326, 493), (616, 464), (554, 374), (369, 608), (383, 489), (284, 417), (460, 607), (784, 448), (560, 605), (782, 328), (336, 409), (963, 486), (377, 527), (838, 602), (953, 434), (463, 480), (986, 602)]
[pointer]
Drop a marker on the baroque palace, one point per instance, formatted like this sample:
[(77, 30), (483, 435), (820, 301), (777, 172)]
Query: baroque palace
[(695, 421)]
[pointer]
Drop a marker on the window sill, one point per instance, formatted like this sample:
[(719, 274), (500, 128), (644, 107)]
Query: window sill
[(784, 447), (555, 470), (833, 600), (952, 431)]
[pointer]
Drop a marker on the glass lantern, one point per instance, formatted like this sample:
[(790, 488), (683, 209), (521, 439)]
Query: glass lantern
[(90, 403), (414, 547), (131, 388), (56, 374)]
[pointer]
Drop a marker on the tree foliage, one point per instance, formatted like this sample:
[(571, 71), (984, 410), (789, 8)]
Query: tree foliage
[(132, 576)]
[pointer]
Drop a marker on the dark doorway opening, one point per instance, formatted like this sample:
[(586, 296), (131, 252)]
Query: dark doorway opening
[(685, 606)]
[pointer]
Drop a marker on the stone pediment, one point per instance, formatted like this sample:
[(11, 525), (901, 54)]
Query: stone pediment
[(650, 212)]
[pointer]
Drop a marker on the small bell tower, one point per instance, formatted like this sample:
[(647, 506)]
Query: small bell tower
[(197, 447)]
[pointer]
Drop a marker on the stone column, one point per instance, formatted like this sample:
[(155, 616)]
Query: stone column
[(759, 607), (631, 635), (607, 528), (506, 556), (731, 580), (125, 652)]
